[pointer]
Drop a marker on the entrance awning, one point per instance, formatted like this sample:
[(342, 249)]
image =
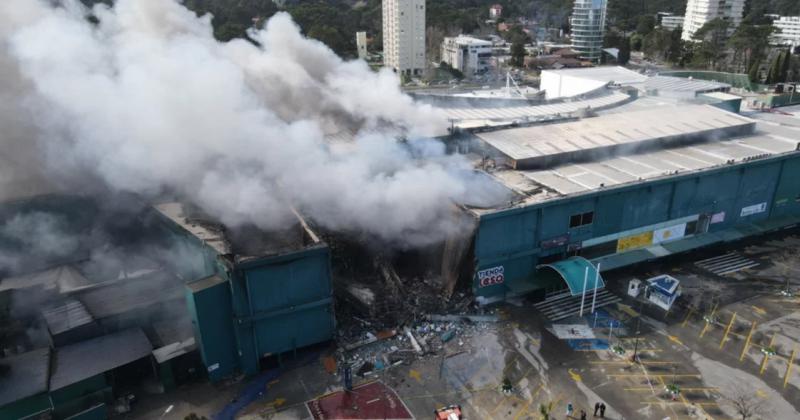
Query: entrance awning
[(573, 270)]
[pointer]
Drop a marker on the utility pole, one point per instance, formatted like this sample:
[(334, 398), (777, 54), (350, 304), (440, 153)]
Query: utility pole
[(583, 295), (638, 323), (596, 278)]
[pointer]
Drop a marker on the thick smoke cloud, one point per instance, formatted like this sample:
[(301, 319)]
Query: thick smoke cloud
[(146, 101)]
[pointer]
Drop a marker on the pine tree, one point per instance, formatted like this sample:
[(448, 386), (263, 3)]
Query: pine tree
[(787, 62), (754, 72)]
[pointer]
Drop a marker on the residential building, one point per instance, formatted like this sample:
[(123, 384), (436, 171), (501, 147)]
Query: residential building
[(788, 33), (495, 11), (671, 22), (700, 12), (404, 36), (361, 45), (469, 55), (588, 25)]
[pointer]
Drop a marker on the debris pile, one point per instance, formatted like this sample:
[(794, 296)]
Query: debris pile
[(369, 353)]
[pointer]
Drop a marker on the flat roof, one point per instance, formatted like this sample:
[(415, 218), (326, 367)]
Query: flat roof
[(541, 144), (722, 96), (616, 74), (62, 278), (211, 234), (466, 116), (120, 296), (247, 241), (65, 316), (683, 84), (26, 377), (577, 177), (83, 360), (470, 40), (574, 178)]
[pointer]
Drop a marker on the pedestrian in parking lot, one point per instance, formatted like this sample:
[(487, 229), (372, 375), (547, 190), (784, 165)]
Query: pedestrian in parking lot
[(602, 410), (569, 410), (596, 408), (583, 415)]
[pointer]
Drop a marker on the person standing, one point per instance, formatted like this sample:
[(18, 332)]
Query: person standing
[(569, 410), (602, 410), (596, 408), (583, 415)]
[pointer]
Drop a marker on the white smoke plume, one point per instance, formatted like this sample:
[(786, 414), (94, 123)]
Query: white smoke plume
[(145, 100)]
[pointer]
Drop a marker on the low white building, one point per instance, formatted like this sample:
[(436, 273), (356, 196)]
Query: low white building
[(495, 11), (672, 22), (788, 31), (574, 82), (469, 55), (361, 44)]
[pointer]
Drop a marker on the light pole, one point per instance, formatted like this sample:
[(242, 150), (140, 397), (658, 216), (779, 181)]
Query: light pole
[(638, 323)]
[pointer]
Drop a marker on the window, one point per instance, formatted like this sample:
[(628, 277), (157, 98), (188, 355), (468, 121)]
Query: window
[(582, 219)]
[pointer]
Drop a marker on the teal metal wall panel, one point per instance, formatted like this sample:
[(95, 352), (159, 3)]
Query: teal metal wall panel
[(26, 407), (294, 330), (507, 234), (288, 283), (555, 218), (295, 288), (516, 276), (757, 187), (787, 192), (210, 308), (98, 412)]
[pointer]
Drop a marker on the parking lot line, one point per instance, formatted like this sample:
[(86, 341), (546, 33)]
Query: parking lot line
[(766, 355), (747, 341), (689, 314), (638, 375), (727, 330), (789, 368)]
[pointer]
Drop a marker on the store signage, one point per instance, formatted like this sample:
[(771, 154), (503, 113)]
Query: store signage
[(718, 217), (669, 233), (491, 276), (634, 242), (555, 242), (754, 209)]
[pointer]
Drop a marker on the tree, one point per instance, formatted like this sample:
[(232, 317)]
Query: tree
[(517, 54), (710, 48), (746, 404), (754, 73), (749, 43), (646, 24), (624, 52), (774, 74), (786, 65)]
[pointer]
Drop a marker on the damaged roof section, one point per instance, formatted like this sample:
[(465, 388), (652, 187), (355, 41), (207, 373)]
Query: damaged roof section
[(243, 242)]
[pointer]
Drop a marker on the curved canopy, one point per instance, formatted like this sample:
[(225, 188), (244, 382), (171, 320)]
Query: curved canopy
[(573, 270)]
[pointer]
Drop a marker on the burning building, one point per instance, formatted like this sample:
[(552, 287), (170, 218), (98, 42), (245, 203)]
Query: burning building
[(134, 292)]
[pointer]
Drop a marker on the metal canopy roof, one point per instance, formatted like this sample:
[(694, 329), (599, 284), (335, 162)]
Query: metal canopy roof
[(574, 270), (26, 377), (83, 360), (608, 134)]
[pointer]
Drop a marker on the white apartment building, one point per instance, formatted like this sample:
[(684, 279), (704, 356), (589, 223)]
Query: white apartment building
[(404, 36), (588, 25), (469, 55), (495, 11), (361, 45), (672, 22), (789, 31), (700, 12)]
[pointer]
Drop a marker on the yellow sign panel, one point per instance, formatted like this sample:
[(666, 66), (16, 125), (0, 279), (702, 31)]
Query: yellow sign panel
[(636, 241)]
